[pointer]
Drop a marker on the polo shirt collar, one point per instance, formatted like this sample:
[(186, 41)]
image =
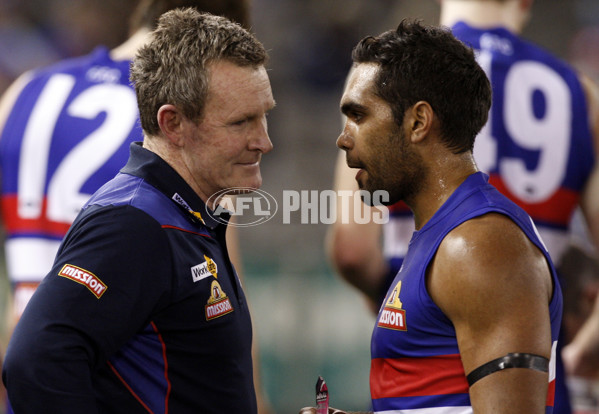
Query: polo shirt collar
[(158, 173)]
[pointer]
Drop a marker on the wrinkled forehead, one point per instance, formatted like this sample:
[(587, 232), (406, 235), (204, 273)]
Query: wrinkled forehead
[(237, 92), (225, 75), (231, 82)]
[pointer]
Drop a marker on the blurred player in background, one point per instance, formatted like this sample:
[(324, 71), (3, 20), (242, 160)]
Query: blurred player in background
[(539, 148), (64, 131)]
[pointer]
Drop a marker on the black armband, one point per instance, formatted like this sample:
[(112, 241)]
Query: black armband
[(511, 360)]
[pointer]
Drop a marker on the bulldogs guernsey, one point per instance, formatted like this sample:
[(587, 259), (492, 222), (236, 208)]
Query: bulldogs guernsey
[(416, 364), (536, 147), (67, 134)]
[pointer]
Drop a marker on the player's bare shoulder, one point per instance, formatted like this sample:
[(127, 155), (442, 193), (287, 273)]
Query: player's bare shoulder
[(488, 258), (591, 91)]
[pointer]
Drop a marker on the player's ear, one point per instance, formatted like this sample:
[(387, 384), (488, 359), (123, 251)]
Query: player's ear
[(420, 120), (170, 121)]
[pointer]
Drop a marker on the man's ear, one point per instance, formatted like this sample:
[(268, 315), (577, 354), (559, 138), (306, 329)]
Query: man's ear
[(420, 117), (170, 121)]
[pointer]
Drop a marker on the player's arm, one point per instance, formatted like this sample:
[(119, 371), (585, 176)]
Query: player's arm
[(590, 197), (355, 249), (10, 96), (495, 287), (6, 105), (581, 356)]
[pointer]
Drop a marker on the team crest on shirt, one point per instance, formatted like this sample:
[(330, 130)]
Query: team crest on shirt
[(204, 270), (218, 302), (392, 315)]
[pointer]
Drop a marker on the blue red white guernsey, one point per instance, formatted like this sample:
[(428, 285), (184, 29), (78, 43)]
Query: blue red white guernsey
[(536, 147), (68, 133), (416, 362)]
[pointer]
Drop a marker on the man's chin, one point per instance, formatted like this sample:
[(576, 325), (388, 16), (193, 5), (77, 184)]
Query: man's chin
[(246, 186), (247, 179), (241, 190)]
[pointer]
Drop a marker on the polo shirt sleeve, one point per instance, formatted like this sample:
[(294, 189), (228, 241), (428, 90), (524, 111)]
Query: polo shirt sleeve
[(112, 272)]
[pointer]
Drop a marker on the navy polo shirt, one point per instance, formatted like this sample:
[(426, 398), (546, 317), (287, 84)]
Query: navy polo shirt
[(142, 310)]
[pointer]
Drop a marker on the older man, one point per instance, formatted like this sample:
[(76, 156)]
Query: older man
[(142, 310)]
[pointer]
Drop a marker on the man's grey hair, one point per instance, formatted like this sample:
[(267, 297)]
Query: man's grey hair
[(173, 68)]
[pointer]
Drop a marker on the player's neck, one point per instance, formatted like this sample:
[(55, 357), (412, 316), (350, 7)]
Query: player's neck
[(127, 50), (485, 14), (444, 176)]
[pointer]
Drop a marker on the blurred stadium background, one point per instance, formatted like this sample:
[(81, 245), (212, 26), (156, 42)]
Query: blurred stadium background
[(307, 322)]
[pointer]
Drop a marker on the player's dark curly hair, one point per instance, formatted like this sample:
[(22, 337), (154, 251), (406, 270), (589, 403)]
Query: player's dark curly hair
[(427, 63)]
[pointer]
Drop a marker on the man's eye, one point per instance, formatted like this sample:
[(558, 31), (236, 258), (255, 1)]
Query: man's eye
[(355, 116), (240, 122)]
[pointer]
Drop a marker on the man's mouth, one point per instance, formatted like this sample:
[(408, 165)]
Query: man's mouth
[(353, 164), (249, 163)]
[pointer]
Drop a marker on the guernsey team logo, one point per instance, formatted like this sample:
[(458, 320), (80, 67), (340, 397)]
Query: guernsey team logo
[(393, 316), (218, 302), (84, 277)]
